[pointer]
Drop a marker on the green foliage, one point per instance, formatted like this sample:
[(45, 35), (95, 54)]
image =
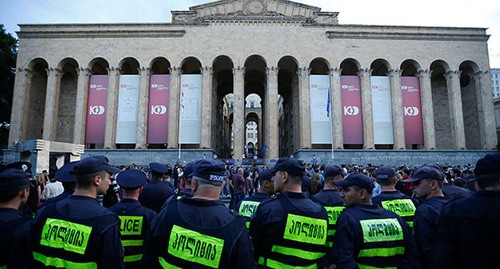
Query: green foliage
[(8, 54)]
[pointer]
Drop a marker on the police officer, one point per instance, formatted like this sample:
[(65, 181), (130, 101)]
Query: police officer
[(78, 232), (329, 198), (67, 179), (156, 191), (427, 185), (289, 229), (367, 235), (248, 205), (200, 232), (392, 199), (468, 233), (134, 218), (14, 192), (29, 208)]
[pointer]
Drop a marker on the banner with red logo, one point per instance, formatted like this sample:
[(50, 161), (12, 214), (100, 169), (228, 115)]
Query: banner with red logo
[(190, 109), (319, 93), (412, 108), (96, 109), (352, 116), (159, 90), (383, 133), (128, 104)]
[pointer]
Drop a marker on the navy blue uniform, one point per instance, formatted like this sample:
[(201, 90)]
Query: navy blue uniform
[(13, 227), (196, 233), (468, 233), (290, 230), (77, 231), (368, 235), (451, 190), (56, 199), (334, 205), (134, 221), (155, 193), (399, 203), (247, 206)]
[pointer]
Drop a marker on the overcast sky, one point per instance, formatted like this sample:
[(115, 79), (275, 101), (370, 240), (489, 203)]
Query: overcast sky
[(455, 13)]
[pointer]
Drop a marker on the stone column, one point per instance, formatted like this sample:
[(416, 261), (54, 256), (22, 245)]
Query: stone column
[(110, 132), (304, 108), (485, 109), (173, 107), (142, 109), (456, 112), (271, 114), (427, 109), (19, 100), (366, 102), (336, 108), (397, 109), (239, 111), (206, 108), (51, 103), (81, 105)]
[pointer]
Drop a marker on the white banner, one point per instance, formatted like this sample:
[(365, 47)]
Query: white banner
[(382, 111), (128, 100), (319, 92), (190, 109)]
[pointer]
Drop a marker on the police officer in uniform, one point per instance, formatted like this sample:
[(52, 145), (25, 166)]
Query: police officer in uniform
[(367, 235), (14, 192), (248, 205), (290, 229), (329, 198), (468, 233), (29, 208), (156, 191), (68, 181), (78, 232), (200, 232), (392, 199), (134, 218)]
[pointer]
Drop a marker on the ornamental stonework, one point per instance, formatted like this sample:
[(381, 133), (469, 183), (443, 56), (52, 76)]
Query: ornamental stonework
[(255, 7)]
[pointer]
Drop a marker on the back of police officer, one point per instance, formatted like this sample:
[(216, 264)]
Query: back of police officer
[(78, 232), (134, 218), (290, 229), (367, 235), (200, 232), (156, 191), (248, 205)]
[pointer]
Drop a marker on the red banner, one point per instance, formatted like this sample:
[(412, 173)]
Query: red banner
[(412, 108), (96, 109), (159, 90), (352, 116)]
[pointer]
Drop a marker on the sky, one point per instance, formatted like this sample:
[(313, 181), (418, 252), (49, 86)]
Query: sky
[(449, 13)]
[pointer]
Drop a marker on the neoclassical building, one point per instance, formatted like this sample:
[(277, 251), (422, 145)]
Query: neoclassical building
[(142, 92)]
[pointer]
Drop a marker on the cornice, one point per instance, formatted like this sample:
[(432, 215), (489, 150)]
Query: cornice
[(102, 34)]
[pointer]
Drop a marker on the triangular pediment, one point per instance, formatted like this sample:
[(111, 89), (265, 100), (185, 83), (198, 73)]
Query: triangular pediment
[(254, 10)]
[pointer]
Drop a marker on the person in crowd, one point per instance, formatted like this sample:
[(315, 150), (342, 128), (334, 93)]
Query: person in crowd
[(369, 236), (68, 181), (329, 198), (134, 218), (53, 188), (467, 234), (392, 199), (200, 232), (427, 184), (78, 232), (249, 204), (156, 191), (290, 229), (238, 184), (29, 208)]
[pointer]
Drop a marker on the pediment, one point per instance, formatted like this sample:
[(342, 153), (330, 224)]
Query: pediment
[(255, 10)]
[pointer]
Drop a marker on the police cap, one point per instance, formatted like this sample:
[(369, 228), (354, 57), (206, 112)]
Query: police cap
[(289, 165), (489, 164), (385, 172), (266, 175), (64, 174), (213, 170), (21, 165), (360, 180), (13, 178), (131, 179), (188, 170), (92, 165), (158, 168), (426, 172), (333, 171)]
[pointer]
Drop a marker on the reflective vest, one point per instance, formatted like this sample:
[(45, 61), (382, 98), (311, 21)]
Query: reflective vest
[(68, 243), (188, 246), (246, 209), (333, 214), (132, 230), (303, 240), (403, 207)]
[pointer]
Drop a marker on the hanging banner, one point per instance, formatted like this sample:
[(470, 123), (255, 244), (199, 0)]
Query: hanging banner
[(319, 94), (383, 132), (128, 100), (159, 90), (96, 109), (190, 109), (352, 116), (412, 108)]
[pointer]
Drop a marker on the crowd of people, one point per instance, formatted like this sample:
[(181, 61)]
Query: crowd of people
[(91, 214)]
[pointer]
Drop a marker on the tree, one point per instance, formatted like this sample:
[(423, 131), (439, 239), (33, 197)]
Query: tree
[(8, 55)]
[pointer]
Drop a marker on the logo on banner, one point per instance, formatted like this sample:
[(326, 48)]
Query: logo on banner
[(96, 110), (411, 111), (351, 110), (93, 86), (123, 85), (158, 110), (154, 86), (314, 86)]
